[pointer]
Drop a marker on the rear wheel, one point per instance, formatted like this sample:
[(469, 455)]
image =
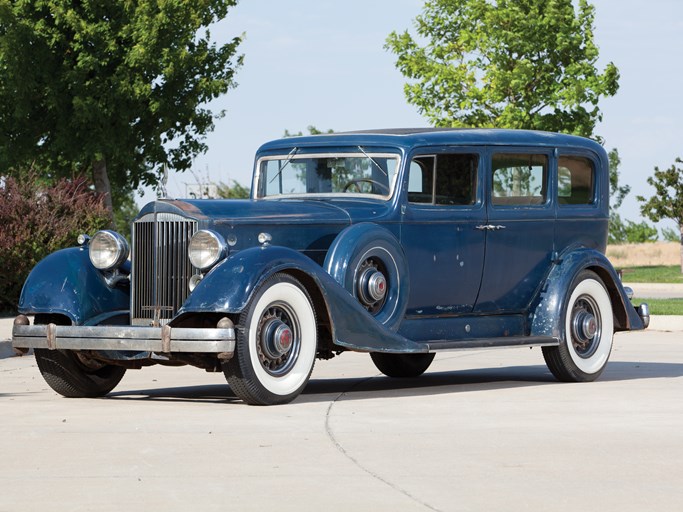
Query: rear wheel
[(588, 331), (74, 375), (402, 365), (276, 345)]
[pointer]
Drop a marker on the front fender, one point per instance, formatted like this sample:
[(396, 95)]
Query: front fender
[(66, 283), (548, 314), (228, 288)]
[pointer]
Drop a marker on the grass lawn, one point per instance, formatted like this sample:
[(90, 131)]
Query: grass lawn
[(662, 306), (658, 274)]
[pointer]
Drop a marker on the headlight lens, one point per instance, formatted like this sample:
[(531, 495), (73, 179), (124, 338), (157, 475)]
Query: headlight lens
[(108, 250), (206, 249)]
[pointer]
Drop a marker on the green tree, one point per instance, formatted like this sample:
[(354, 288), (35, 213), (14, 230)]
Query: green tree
[(617, 193), (125, 210), (112, 87), (236, 191), (312, 130), (667, 201), (670, 235), (506, 64)]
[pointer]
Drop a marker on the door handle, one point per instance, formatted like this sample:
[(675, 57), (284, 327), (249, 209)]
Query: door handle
[(489, 227)]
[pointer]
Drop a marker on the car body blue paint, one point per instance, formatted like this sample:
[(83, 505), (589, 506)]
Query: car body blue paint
[(229, 287), (66, 283), (547, 314)]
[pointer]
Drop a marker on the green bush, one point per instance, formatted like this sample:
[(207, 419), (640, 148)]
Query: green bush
[(36, 220)]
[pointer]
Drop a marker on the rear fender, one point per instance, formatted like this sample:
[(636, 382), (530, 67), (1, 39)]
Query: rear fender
[(66, 283), (228, 288), (547, 315)]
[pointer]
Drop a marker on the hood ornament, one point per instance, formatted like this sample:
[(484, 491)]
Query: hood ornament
[(162, 192)]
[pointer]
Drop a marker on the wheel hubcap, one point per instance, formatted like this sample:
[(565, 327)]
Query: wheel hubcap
[(371, 286), (585, 326), (278, 340)]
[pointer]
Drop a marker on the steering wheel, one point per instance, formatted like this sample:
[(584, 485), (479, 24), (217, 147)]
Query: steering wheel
[(356, 183)]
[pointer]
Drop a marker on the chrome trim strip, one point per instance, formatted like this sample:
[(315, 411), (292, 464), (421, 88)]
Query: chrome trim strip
[(485, 343), (152, 339)]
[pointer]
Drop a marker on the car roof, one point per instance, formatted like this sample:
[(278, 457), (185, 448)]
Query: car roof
[(408, 137)]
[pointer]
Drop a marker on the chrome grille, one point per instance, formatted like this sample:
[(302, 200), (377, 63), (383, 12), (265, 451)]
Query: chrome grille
[(161, 269)]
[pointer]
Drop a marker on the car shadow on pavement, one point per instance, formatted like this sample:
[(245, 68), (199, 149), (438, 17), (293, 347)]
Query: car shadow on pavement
[(462, 381), (205, 393), (429, 384)]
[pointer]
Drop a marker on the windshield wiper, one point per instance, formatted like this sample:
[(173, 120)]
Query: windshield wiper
[(288, 159), (373, 161)]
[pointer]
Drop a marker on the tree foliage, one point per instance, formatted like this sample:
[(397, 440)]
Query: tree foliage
[(112, 87), (39, 219), (667, 201), (236, 191), (629, 232), (505, 63), (617, 193), (312, 130)]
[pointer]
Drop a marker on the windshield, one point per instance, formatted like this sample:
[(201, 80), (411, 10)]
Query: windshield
[(365, 174)]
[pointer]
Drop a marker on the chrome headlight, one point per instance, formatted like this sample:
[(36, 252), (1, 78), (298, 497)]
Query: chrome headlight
[(108, 250), (206, 249)]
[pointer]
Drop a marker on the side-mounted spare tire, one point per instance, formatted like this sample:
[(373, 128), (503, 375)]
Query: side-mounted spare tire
[(368, 261)]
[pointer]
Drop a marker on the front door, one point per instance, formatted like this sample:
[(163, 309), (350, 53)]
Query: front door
[(444, 249), (519, 229)]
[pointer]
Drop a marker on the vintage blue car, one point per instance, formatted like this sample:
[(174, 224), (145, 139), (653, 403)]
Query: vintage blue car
[(398, 243)]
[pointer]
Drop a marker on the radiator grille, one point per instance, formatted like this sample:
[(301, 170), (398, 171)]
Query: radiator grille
[(161, 269)]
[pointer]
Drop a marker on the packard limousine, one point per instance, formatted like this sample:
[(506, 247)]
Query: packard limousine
[(398, 243)]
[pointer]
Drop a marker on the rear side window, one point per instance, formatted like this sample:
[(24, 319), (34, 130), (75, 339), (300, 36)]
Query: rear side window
[(519, 179), (443, 179), (576, 180)]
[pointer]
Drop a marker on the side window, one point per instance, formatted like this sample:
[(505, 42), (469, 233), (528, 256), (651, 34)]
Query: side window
[(519, 179), (443, 179), (421, 179), (575, 180)]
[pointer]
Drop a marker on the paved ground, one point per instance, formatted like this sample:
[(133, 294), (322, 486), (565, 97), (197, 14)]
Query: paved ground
[(486, 430), (657, 290)]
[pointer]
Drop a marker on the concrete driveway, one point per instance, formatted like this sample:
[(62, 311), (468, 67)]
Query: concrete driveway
[(486, 430)]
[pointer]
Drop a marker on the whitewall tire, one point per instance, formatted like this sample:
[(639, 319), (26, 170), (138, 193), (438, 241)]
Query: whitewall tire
[(276, 344), (588, 330)]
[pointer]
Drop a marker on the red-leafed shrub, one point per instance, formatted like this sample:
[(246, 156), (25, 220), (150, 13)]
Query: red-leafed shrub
[(36, 220)]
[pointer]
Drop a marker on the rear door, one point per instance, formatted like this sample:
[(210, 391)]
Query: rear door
[(519, 228)]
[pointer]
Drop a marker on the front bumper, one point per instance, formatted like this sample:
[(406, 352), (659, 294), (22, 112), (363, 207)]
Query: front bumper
[(164, 339)]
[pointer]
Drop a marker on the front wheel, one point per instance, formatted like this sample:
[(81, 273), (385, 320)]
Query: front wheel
[(74, 375), (276, 344), (588, 331)]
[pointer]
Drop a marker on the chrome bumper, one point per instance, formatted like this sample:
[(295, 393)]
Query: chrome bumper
[(164, 339)]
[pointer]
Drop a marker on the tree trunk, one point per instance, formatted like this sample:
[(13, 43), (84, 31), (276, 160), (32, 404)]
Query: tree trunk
[(680, 227), (102, 186)]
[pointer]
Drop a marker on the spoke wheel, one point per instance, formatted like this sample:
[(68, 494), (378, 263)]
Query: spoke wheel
[(276, 344), (588, 329)]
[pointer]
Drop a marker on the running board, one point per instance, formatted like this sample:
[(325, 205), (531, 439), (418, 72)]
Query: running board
[(511, 341)]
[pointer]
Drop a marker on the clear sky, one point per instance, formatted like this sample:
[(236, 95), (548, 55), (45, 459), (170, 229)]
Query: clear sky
[(322, 63)]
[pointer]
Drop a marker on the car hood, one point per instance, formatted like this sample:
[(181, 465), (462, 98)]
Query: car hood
[(269, 212), (306, 225)]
